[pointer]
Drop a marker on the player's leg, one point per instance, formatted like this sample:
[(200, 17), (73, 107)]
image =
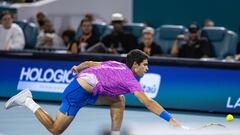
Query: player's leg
[(74, 97), (117, 106), (56, 126), (24, 98)]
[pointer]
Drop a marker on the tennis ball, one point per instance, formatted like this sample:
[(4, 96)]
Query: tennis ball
[(229, 117)]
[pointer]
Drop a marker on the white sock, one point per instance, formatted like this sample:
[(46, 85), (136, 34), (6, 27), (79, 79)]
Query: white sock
[(32, 105), (115, 133)]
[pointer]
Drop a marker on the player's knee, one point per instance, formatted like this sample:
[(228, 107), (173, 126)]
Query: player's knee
[(56, 131), (122, 101), (118, 102)]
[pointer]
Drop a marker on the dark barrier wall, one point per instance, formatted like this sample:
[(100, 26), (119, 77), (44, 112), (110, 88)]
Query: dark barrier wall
[(158, 12), (185, 84)]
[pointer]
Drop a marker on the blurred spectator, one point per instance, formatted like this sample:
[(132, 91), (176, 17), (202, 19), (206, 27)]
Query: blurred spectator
[(68, 37), (148, 45), (209, 23), (119, 41), (94, 19), (87, 39), (48, 39), (41, 17), (90, 17), (194, 46), (11, 35), (39, 20)]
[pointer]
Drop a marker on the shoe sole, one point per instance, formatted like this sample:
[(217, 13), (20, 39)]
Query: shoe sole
[(10, 101)]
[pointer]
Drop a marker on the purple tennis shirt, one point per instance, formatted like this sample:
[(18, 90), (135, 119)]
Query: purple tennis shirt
[(113, 79)]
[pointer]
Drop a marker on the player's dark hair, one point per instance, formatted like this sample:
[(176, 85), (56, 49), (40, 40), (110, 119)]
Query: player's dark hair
[(137, 56)]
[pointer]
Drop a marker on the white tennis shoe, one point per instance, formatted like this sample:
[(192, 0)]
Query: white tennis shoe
[(19, 99)]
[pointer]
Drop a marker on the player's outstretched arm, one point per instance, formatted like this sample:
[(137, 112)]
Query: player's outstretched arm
[(83, 65), (156, 108)]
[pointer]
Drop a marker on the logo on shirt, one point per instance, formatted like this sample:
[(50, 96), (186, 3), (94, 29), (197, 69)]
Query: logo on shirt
[(150, 83), (44, 80)]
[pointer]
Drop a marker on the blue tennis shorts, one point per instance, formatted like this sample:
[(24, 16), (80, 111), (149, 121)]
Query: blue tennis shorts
[(75, 97)]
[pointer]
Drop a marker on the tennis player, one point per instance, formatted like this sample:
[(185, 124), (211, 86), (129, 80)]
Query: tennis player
[(101, 83)]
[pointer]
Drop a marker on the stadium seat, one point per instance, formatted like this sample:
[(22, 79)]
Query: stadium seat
[(22, 23), (166, 34), (224, 42), (30, 31), (107, 31), (135, 29), (232, 47), (31, 34), (98, 28)]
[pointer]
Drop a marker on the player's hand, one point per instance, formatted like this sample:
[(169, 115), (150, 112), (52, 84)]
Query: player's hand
[(74, 69), (177, 125), (174, 123)]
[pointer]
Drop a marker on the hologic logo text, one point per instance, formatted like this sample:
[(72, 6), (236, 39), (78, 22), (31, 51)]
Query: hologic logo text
[(48, 75), (48, 80)]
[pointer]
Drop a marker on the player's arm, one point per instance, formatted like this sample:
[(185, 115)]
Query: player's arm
[(84, 65), (156, 108)]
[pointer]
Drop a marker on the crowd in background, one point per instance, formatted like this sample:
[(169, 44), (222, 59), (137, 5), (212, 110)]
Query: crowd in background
[(87, 40)]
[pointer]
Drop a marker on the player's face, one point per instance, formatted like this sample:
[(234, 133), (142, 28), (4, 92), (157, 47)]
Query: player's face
[(141, 68)]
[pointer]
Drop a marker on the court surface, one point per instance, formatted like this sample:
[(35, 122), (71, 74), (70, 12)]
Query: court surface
[(92, 120)]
